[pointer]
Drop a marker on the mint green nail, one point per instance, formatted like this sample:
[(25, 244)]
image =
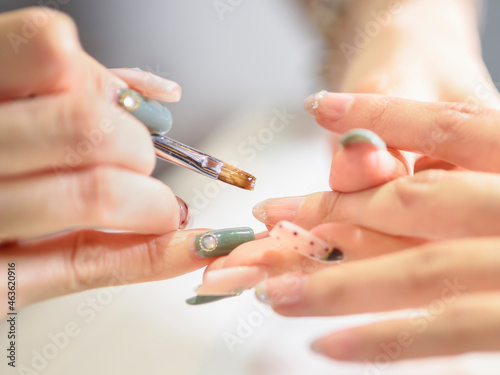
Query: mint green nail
[(221, 242), (156, 117), (201, 300), (362, 135)]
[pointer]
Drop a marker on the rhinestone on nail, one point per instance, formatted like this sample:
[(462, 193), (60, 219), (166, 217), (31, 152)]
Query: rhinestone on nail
[(208, 242), (130, 101)]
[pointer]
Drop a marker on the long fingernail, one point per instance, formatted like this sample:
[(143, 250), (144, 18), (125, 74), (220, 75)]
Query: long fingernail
[(357, 136), (300, 240), (185, 217), (286, 289), (329, 105), (230, 280), (274, 210), (152, 84), (201, 300), (156, 117), (221, 242)]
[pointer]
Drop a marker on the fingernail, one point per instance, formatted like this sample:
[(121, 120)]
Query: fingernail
[(286, 289), (221, 242), (274, 210), (185, 219), (300, 240), (332, 106), (357, 136), (201, 300), (311, 104), (230, 280), (156, 117), (149, 83)]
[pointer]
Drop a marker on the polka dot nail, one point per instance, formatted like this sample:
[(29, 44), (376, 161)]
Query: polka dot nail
[(293, 237)]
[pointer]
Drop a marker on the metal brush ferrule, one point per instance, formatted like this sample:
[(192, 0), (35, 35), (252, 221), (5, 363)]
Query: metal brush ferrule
[(185, 156)]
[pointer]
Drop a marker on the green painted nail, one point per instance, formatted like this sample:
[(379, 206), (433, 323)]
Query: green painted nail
[(156, 117), (201, 300), (216, 243), (362, 135)]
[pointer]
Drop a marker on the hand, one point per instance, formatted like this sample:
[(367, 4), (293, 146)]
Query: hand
[(70, 159), (453, 279), (382, 47)]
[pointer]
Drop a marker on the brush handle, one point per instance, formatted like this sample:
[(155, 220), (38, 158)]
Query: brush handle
[(187, 157)]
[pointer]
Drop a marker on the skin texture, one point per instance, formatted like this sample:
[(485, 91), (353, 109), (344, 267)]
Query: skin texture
[(70, 160)]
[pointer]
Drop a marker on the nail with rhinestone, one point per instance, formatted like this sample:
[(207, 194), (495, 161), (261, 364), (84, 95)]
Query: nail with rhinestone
[(216, 243), (311, 103), (155, 116), (293, 237), (328, 105)]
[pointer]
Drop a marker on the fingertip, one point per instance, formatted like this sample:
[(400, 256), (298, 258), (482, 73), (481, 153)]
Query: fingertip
[(338, 346), (362, 166)]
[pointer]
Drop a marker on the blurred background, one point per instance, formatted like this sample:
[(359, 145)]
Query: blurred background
[(238, 70)]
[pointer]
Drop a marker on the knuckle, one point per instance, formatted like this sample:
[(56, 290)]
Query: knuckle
[(452, 121), (76, 119), (379, 108), (55, 41), (87, 261), (94, 261), (330, 207), (427, 272), (411, 192), (94, 195)]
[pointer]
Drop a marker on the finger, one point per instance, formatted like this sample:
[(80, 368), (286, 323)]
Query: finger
[(408, 279), (452, 326), (448, 131), (77, 261), (103, 197), (293, 249), (149, 84), (431, 205), (364, 162), (38, 48), (65, 132)]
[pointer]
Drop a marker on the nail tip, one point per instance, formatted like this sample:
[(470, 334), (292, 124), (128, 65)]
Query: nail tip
[(259, 211), (202, 300)]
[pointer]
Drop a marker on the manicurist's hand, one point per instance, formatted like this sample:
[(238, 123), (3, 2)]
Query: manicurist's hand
[(71, 160)]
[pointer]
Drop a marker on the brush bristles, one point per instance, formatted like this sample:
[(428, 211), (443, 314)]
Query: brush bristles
[(236, 177)]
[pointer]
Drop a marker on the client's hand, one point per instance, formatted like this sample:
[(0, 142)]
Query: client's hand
[(383, 47), (447, 219), (71, 159)]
